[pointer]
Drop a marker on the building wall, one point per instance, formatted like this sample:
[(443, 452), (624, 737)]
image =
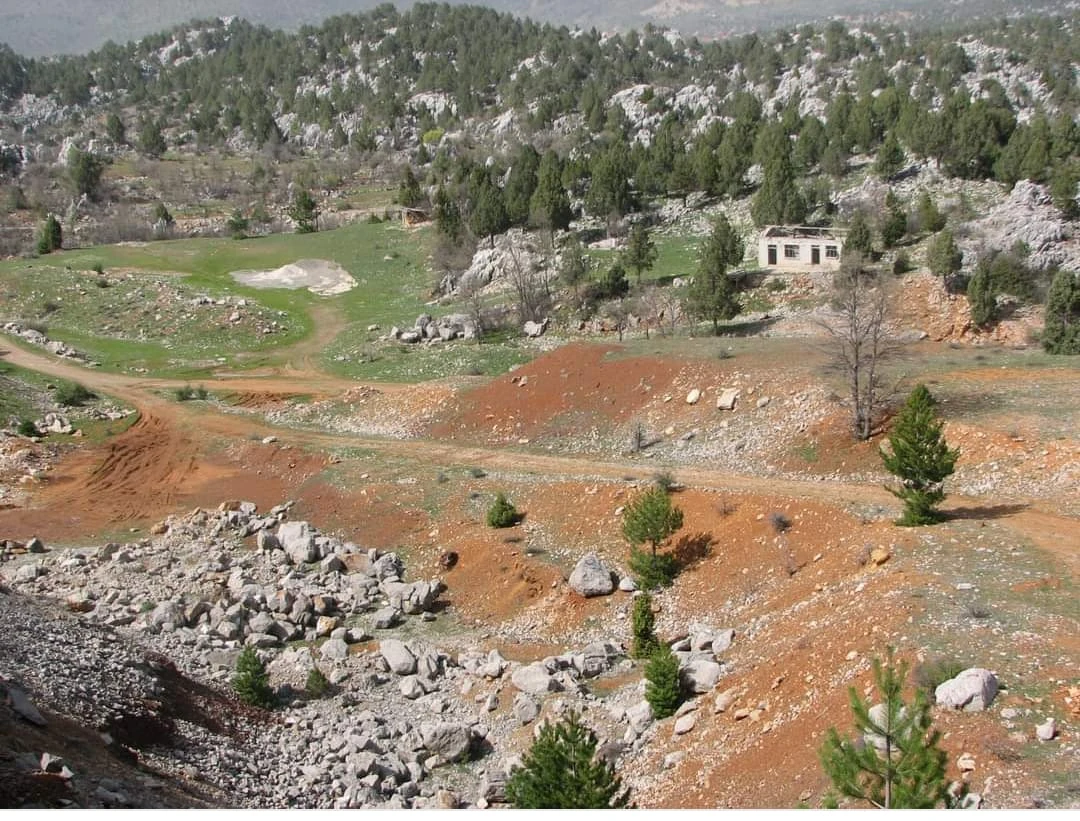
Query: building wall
[(797, 253)]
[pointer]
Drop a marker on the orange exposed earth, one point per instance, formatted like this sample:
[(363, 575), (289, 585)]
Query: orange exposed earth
[(809, 605)]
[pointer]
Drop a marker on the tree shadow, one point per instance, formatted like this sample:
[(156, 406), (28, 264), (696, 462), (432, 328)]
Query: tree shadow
[(982, 512), (751, 327), (690, 550)]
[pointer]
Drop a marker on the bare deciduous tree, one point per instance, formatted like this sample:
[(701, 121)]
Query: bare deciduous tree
[(531, 289), (859, 339)]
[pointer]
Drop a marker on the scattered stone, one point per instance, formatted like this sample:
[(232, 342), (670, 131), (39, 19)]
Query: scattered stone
[(1047, 730), (591, 577), (526, 708), (535, 679), (399, 657), (727, 399), (685, 723), (972, 690), (693, 397), (700, 675)]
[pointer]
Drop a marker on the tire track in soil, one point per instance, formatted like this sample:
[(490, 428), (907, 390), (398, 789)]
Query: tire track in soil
[(148, 470)]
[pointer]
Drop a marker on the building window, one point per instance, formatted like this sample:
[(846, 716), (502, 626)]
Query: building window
[(831, 252), (791, 252)]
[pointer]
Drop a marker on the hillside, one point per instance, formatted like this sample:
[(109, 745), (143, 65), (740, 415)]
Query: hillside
[(288, 320)]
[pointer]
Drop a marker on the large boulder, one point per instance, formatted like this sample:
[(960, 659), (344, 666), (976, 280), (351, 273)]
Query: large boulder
[(972, 690), (448, 740), (591, 577), (399, 657), (298, 541), (700, 675), (535, 679)]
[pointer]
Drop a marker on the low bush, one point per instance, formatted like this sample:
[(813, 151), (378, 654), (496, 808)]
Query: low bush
[(317, 684), (502, 512), (251, 683), (662, 683), (72, 394)]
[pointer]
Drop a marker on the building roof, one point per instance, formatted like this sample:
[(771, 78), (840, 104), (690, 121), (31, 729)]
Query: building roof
[(802, 232)]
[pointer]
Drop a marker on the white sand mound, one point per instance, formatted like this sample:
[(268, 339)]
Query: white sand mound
[(319, 276)]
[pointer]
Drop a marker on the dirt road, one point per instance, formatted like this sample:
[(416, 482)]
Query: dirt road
[(167, 456)]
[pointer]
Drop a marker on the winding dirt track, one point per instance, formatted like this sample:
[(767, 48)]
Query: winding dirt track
[(150, 469)]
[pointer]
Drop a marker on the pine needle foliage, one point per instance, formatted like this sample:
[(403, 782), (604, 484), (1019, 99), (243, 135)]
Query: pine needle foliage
[(502, 512), (651, 518), (560, 771), (920, 458), (894, 762), (662, 689), (644, 625), (251, 682)]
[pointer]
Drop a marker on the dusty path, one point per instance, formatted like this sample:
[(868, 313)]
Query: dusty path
[(148, 470)]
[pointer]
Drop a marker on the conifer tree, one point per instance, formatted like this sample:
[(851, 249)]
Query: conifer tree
[(662, 689), (894, 225), (943, 257), (573, 267), (550, 206), (409, 193), (651, 518), (931, 219), (980, 294), (895, 761), (304, 212), (51, 237), (488, 216), (712, 295), (920, 458), (644, 626), (251, 682), (890, 157), (858, 239), (640, 254), (502, 512), (560, 771), (447, 215), (1061, 334)]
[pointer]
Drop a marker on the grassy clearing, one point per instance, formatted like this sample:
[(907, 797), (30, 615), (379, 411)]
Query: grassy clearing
[(145, 320), (397, 362)]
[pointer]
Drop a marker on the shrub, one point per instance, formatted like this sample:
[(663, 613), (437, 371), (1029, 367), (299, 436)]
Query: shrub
[(251, 683), (662, 687), (27, 428), (644, 622), (502, 512), (780, 523), (201, 392), (184, 394), (72, 394), (665, 481), (317, 684), (936, 671)]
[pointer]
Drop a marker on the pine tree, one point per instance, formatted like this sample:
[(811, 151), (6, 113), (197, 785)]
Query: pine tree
[(1061, 334), (560, 771), (613, 283), (894, 225), (640, 254), (409, 194), (931, 219), (521, 185), (114, 129), (662, 689), (550, 206), (573, 267), (920, 457), (151, 141), (304, 212), (651, 518), (895, 761), (447, 215), (251, 682), (943, 257), (712, 295), (858, 239), (488, 216), (981, 297), (890, 157), (778, 201), (52, 236), (644, 626)]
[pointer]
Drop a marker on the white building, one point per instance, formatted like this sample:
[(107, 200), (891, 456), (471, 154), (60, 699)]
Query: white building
[(800, 248)]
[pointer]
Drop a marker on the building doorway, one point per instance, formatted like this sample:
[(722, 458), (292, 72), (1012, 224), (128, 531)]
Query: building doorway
[(815, 255), (772, 255)]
